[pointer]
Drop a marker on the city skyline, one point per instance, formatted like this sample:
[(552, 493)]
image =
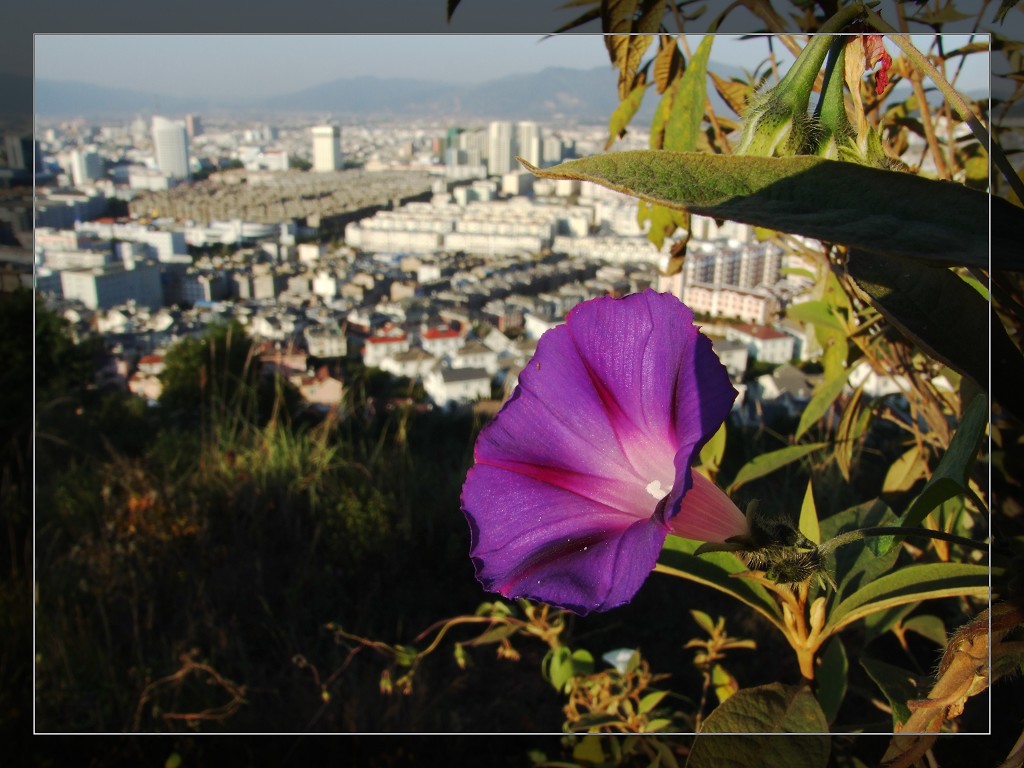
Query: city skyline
[(248, 66)]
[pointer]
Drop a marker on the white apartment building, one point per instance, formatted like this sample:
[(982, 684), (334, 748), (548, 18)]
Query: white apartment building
[(112, 284), (170, 142), (476, 355), (448, 387), (765, 344), (414, 364), (326, 148), (755, 306)]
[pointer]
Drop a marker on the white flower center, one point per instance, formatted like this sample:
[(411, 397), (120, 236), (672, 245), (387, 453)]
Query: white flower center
[(654, 488)]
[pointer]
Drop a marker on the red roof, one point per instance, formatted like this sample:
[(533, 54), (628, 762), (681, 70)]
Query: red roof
[(150, 359), (386, 339), (440, 333), (762, 332)]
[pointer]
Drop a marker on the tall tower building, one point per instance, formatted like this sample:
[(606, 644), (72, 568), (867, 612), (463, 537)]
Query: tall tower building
[(500, 149), (193, 125), (86, 166), (326, 148), (529, 140), (171, 144)]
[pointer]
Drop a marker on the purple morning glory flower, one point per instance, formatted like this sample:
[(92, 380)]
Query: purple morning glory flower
[(586, 469)]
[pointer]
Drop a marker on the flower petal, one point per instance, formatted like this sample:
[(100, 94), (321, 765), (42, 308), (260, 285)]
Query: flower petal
[(577, 477)]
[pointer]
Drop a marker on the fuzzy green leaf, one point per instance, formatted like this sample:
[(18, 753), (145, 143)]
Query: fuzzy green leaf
[(761, 711), (687, 110), (867, 208)]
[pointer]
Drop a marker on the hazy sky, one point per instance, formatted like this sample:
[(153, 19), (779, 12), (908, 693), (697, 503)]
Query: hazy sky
[(262, 65)]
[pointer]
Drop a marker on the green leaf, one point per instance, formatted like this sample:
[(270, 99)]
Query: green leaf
[(713, 452), (769, 462), (856, 563), (817, 313), (716, 570), (897, 685), (824, 395), (830, 200), (650, 701), (951, 476), (664, 221), (905, 471), (808, 524), (831, 678), (703, 621), (762, 711), (910, 584), (918, 300), (877, 624), (945, 15), (588, 750), (624, 113), (930, 627), (561, 665), (687, 110)]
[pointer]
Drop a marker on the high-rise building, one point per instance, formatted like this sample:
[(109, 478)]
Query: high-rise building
[(501, 148), (530, 143), (170, 142), (326, 148), (86, 166), (193, 125)]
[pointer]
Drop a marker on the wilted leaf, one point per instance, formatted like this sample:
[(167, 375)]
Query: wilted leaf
[(668, 64), (769, 462), (852, 426), (830, 200), (733, 93)]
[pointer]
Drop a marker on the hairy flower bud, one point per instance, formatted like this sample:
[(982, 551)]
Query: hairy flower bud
[(777, 123)]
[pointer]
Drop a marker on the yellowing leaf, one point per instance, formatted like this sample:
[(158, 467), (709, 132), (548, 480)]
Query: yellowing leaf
[(624, 113), (905, 471)]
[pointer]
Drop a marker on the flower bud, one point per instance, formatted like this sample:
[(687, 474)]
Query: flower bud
[(817, 614), (777, 124)]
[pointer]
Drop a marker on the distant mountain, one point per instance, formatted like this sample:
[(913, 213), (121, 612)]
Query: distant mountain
[(59, 98), (553, 94)]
